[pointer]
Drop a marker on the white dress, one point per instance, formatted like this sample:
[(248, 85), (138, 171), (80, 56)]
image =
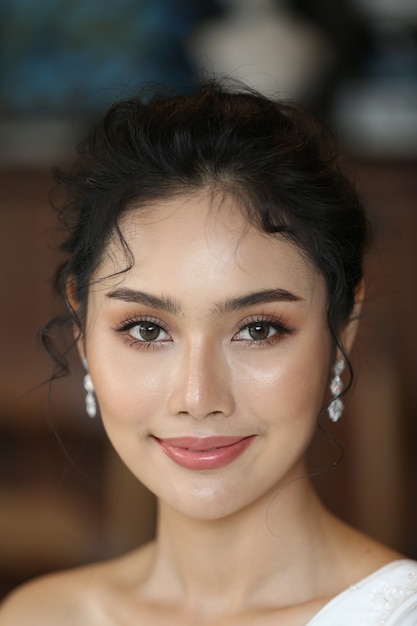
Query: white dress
[(388, 597)]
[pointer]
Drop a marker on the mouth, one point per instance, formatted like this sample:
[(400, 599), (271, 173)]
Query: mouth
[(204, 453)]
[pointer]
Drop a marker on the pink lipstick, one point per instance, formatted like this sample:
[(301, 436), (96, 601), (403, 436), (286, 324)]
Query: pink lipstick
[(204, 453)]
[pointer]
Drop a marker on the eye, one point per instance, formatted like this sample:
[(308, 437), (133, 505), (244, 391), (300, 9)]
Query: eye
[(258, 331), (143, 332), (147, 332)]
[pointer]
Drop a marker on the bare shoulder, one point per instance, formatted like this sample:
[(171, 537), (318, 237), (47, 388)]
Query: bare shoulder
[(55, 599), (73, 597), (360, 555)]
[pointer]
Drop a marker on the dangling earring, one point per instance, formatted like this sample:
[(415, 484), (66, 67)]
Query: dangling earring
[(90, 401), (336, 406)]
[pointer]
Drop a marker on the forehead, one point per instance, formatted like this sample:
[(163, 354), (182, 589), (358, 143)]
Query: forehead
[(202, 235)]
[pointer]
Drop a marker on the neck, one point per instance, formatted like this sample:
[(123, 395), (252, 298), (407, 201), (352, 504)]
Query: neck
[(238, 559)]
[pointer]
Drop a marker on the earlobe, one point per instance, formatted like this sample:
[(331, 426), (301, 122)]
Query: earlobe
[(79, 338), (73, 305), (349, 331), (70, 292)]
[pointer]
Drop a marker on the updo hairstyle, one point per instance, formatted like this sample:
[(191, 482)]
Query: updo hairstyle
[(274, 159)]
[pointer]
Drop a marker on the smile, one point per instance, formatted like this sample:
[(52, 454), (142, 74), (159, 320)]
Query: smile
[(204, 453)]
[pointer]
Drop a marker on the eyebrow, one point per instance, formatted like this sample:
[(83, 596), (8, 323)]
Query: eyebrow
[(258, 297), (169, 305), (163, 303)]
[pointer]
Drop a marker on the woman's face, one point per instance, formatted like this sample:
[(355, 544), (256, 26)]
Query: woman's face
[(210, 357)]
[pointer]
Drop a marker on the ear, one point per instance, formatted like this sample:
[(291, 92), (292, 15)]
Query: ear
[(73, 306), (350, 329)]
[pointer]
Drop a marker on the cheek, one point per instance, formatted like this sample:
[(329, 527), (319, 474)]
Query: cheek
[(127, 394), (127, 386), (127, 411), (289, 384)]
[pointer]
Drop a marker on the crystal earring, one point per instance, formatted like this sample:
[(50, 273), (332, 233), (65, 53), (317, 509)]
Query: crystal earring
[(90, 401), (336, 406)]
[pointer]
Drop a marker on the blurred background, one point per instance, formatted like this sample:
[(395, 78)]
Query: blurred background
[(65, 498)]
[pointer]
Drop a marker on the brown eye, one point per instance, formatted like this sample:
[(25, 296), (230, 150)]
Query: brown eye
[(259, 331), (148, 331), (262, 331)]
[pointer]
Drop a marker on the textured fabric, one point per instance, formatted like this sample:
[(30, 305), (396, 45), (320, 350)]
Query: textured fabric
[(388, 597)]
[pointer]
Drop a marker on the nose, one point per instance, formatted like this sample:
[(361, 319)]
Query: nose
[(201, 382)]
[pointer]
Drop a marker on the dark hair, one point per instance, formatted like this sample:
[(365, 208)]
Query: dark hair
[(275, 159)]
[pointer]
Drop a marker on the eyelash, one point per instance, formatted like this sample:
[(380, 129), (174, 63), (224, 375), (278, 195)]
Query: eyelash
[(131, 322), (277, 324)]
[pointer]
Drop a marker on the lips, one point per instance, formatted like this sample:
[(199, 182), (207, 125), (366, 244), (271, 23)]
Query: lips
[(204, 453)]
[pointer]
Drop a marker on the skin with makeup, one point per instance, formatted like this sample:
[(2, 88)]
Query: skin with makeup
[(211, 343)]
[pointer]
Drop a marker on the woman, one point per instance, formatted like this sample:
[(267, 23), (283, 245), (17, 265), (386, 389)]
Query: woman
[(214, 281)]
